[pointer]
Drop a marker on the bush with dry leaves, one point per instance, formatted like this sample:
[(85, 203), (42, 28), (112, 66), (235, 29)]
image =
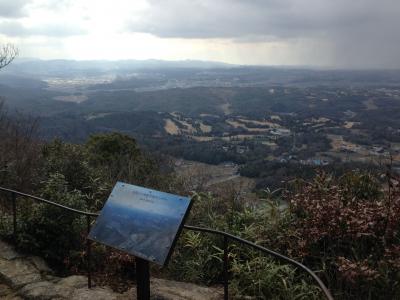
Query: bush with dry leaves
[(348, 228)]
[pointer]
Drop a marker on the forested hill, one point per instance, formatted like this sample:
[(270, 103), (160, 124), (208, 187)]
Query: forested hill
[(273, 123)]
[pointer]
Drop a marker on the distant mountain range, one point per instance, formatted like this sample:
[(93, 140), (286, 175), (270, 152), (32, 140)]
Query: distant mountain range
[(54, 67)]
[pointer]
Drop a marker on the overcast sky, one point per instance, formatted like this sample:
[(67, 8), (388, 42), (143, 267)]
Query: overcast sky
[(335, 33)]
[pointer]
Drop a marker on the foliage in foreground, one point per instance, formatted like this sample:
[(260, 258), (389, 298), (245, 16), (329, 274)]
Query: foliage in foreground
[(346, 228), (349, 228), (77, 176), (198, 257)]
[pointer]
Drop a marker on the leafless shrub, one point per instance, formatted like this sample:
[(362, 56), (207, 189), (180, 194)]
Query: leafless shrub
[(7, 54), (19, 150)]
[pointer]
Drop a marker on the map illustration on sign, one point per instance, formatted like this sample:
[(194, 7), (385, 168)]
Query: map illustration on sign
[(141, 222)]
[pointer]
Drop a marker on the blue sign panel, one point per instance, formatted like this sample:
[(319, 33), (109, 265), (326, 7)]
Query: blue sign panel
[(141, 222)]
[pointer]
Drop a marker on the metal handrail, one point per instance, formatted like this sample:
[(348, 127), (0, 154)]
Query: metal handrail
[(225, 235), (268, 251), (80, 212)]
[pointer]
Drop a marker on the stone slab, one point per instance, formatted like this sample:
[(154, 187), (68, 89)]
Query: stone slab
[(40, 264), (95, 293), (7, 251), (18, 272), (27, 277)]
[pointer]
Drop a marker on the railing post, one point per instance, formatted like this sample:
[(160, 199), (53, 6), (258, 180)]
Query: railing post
[(88, 252), (14, 208), (142, 279), (226, 266)]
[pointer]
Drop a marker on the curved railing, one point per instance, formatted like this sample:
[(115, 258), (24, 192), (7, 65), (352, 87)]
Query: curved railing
[(226, 238)]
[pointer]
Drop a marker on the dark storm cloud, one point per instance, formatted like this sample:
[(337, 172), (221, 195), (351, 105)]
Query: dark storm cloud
[(270, 18), (358, 32), (13, 8), (16, 29)]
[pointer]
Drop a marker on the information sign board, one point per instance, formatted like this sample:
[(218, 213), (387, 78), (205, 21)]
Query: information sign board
[(141, 222)]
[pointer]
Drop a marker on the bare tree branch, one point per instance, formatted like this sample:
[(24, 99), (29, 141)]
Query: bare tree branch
[(7, 54)]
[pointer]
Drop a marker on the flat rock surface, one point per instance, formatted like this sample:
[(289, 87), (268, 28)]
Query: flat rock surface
[(7, 251), (170, 290), (18, 272), (29, 277), (6, 293)]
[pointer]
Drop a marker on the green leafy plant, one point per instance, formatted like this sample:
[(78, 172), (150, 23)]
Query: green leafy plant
[(50, 231)]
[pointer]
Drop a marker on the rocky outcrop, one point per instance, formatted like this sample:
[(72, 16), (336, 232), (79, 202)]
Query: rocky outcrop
[(29, 277)]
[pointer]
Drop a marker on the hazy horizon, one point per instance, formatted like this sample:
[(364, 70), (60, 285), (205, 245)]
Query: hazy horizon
[(221, 63)]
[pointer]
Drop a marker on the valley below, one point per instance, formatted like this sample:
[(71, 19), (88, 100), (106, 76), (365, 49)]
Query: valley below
[(269, 123)]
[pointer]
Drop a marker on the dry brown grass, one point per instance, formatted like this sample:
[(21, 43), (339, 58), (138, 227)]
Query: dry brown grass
[(171, 128)]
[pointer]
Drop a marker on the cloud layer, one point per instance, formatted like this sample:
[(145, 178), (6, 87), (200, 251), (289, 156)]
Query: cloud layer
[(13, 8), (56, 30), (342, 33), (352, 33), (267, 18)]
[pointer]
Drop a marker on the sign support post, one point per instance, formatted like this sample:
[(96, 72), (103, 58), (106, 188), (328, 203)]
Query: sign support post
[(142, 279)]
